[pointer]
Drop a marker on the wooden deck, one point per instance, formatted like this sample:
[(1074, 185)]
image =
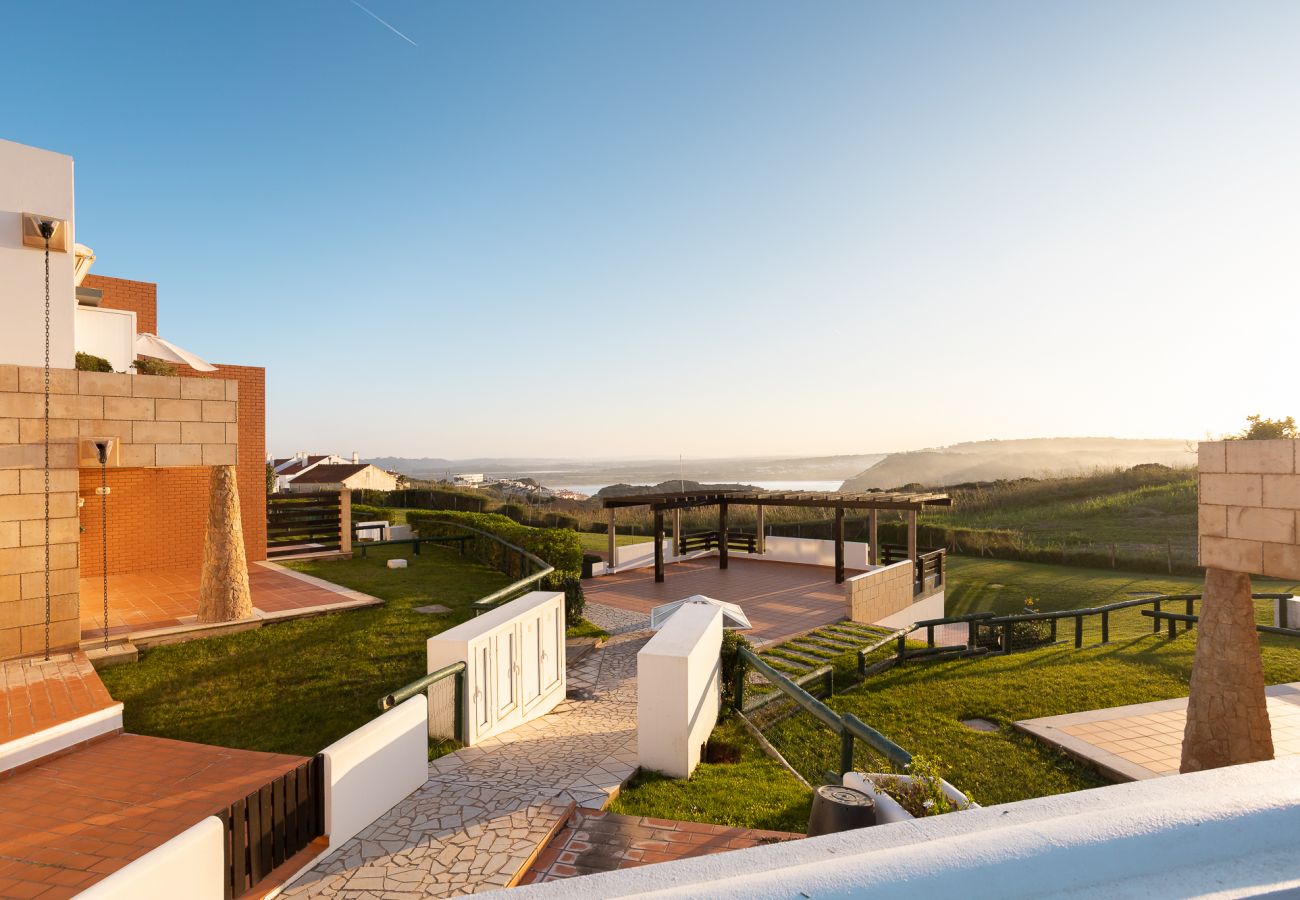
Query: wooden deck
[(781, 599)]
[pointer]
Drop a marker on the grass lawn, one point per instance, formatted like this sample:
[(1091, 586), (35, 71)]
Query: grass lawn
[(753, 792), (599, 543), (295, 687), (920, 706)]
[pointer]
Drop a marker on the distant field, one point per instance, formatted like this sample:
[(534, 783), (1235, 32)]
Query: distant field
[(599, 543)]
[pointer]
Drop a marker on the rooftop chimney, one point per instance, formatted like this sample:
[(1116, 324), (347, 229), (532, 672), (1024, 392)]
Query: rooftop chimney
[(356, 457)]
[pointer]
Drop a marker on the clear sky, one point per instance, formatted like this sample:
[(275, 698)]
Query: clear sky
[(715, 229)]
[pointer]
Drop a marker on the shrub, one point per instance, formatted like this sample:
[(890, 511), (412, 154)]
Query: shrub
[(363, 513), (559, 548), (147, 365), (89, 362), (575, 601)]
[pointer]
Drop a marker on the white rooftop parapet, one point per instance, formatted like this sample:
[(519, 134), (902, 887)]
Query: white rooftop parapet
[(1225, 832)]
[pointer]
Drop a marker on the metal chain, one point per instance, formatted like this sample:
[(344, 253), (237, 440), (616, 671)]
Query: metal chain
[(103, 532), (47, 231)]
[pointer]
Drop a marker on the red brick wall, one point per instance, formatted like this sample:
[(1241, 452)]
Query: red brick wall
[(140, 297), (251, 469), (156, 519)]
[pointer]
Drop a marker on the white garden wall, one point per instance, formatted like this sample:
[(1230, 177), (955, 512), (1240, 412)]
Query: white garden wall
[(374, 768), (810, 551), (515, 666), (680, 674), (192, 864)]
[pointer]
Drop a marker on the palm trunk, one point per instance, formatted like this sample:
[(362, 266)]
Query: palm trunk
[(224, 594), (1227, 715)]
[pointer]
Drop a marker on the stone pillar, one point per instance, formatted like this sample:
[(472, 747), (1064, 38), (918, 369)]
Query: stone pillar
[(345, 523), (1227, 715), (224, 595)]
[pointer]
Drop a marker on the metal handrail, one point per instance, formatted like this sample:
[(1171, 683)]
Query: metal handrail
[(454, 670), (505, 593), (848, 726)]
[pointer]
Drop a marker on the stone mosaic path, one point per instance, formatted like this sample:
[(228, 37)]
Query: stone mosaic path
[(486, 811), (615, 620)]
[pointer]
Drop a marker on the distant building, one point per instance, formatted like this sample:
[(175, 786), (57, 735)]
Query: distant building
[(304, 473), (468, 480)]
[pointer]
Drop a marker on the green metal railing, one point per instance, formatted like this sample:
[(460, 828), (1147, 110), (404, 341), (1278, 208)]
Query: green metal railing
[(457, 671), (848, 727)]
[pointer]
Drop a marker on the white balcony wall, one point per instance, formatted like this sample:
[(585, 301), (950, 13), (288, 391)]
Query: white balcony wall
[(682, 663), (195, 858), (515, 658), (40, 182), (374, 768), (109, 333)]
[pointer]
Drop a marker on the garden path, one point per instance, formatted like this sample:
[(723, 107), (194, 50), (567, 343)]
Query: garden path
[(486, 811)]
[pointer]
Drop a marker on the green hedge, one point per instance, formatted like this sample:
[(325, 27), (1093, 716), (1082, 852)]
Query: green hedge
[(558, 547)]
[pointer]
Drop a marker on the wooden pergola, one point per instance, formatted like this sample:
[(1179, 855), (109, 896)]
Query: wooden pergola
[(873, 502)]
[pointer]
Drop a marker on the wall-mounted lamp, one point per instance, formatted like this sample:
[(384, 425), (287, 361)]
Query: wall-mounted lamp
[(36, 227)]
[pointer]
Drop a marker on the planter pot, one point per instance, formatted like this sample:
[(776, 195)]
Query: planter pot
[(887, 808)]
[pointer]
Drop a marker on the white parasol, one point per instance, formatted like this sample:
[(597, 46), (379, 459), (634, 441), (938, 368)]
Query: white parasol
[(152, 345)]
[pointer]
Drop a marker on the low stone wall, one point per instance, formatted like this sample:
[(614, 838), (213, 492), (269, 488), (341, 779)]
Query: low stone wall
[(880, 593)]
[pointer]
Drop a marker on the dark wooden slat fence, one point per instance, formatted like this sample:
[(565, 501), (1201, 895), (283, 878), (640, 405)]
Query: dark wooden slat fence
[(303, 523), (273, 823)]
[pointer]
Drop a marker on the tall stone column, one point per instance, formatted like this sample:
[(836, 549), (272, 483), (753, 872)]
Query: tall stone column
[(224, 595), (1227, 715)]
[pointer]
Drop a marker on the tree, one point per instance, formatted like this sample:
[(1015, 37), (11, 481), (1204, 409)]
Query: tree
[(1262, 429), (270, 478)]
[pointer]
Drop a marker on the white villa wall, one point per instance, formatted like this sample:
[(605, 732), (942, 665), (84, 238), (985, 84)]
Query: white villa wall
[(637, 556), (194, 859), (109, 333), (515, 666), (35, 181), (811, 552), (1224, 832), (374, 768), (682, 663)]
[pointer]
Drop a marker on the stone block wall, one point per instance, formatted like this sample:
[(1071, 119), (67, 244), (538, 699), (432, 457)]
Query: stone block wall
[(1249, 509), (160, 422), (880, 593)]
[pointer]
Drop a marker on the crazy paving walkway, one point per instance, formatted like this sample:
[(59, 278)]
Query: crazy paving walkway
[(487, 811)]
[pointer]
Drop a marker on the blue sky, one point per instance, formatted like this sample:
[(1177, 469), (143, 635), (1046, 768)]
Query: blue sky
[(595, 229)]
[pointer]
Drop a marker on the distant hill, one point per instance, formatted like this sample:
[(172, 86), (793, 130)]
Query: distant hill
[(1034, 458)]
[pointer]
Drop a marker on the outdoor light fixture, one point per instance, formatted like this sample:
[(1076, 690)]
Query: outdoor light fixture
[(37, 229)]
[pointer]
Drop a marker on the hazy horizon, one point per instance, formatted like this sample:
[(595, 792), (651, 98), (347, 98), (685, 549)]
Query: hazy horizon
[(709, 229)]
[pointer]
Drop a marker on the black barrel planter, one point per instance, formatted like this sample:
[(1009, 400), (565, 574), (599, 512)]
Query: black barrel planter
[(836, 808), (589, 560)]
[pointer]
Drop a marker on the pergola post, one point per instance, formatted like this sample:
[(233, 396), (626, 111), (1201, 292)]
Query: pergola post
[(722, 534), (873, 552), (762, 537), (839, 545), (659, 546), (677, 532), (911, 546), (612, 542)]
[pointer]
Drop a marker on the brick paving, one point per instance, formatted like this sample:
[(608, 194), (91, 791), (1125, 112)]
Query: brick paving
[(1145, 740), (594, 841), (169, 597), (73, 819), (780, 599), (486, 811), (40, 694)]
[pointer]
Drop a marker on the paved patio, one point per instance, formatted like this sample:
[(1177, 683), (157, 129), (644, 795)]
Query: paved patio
[(595, 841), (69, 821), (144, 602), (487, 811), (781, 599), (1145, 740), (38, 694)]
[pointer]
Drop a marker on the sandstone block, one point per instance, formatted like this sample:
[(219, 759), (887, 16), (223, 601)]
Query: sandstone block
[(1276, 457), (180, 410), (1232, 490), (1255, 523), (135, 409), (157, 387), (178, 455), (202, 389)]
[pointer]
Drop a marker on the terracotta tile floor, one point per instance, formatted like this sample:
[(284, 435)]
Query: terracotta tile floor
[(71, 820), (595, 841), (39, 694), (1145, 740), (163, 598), (781, 599)]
